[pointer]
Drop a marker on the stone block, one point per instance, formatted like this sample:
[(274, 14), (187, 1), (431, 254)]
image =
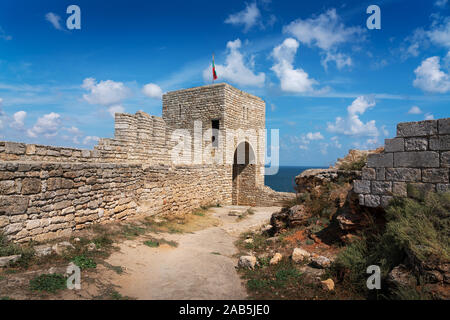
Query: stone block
[(417, 129), (372, 201), (416, 144), (422, 188), (435, 175), (7, 187), (368, 174), (361, 186), (381, 187), (445, 159), (403, 174), (361, 199), (381, 174), (440, 143), (380, 160), (31, 186), (15, 148), (399, 189), (444, 126), (12, 205), (416, 159), (442, 187), (394, 145)]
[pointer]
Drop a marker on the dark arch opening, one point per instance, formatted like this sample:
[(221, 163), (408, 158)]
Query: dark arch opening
[(244, 175)]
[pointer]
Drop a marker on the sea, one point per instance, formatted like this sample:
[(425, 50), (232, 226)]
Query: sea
[(284, 180)]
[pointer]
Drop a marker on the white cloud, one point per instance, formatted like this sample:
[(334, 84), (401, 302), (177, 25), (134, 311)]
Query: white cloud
[(430, 77), (235, 69), (327, 32), (441, 3), (90, 140), (47, 125), (292, 80), (429, 116), (54, 20), (152, 90), (314, 136), (385, 131), (115, 109), (248, 17), (336, 142), (105, 93), (19, 118), (352, 125), (340, 59), (415, 110)]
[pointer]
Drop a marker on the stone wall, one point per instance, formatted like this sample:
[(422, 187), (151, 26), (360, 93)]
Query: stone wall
[(418, 156), (47, 192)]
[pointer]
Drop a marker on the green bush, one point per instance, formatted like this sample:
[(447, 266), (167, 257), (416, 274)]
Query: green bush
[(84, 262), (48, 282), (413, 227)]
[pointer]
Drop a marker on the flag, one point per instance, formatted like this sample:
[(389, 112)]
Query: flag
[(214, 69)]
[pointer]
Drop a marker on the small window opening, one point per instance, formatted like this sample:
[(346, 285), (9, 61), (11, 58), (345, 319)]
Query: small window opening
[(215, 125)]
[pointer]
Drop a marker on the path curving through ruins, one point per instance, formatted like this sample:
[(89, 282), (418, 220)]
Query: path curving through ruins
[(201, 267)]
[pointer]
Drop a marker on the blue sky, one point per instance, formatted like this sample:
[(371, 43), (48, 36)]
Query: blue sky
[(330, 83)]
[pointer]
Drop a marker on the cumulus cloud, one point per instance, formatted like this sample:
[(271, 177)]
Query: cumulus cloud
[(327, 32), (249, 17), (104, 93), (47, 126), (430, 77), (152, 90), (414, 110), (336, 143), (291, 79), (352, 125), (18, 120), (54, 19), (304, 140), (236, 69)]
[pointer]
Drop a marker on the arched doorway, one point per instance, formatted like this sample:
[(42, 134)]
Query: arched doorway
[(244, 175)]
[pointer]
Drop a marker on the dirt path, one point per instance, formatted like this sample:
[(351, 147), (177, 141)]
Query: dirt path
[(201, 267)]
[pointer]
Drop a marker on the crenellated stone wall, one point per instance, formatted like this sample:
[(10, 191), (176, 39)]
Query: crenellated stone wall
[(47, 192), (418, 156)]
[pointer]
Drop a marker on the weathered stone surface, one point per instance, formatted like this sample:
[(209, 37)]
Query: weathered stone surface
[(444, 126), (416, 159), (445, 159), (7, 187), (422, 188), (399, 189), (372, 201), (416, 144), (435, 175), (320, 261), (276, 258), (368, 174), (328, 284), (31, 186), (5, 261), (380, 160), (403, 174), (440, 143), (247, 262), (417, 129), (299, 255), (10, 205), (394, 145), (62, 247), (361, 186), (381, 173), (15, 148), (400, 276), (442, 187), (385, 201), (381, 187)]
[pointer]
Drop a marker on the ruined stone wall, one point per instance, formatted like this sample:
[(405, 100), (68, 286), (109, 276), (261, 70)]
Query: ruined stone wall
[(418, 156), (47, 192)]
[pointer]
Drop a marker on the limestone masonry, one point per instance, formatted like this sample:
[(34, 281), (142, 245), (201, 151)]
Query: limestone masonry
[(47, 192), (419, 157)]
